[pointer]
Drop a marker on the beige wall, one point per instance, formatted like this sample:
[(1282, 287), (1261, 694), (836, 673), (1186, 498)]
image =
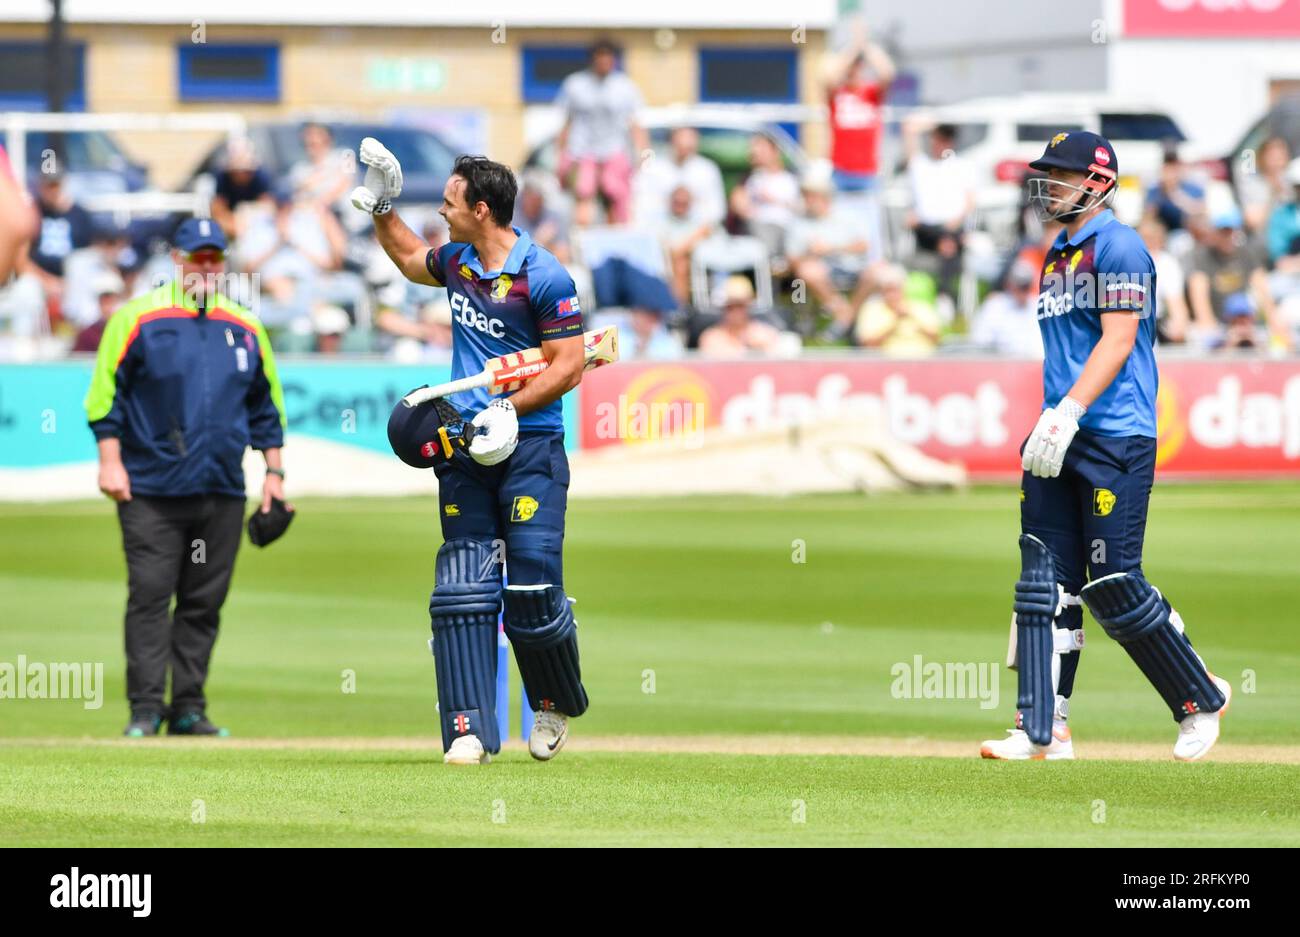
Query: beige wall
[(133, 68)]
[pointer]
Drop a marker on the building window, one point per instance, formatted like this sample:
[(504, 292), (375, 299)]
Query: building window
[(229, 72), (732, 75), (546, 67), (23, 72)]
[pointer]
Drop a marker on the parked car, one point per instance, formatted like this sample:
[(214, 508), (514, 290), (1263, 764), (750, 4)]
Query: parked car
[(1280, 120), (998, 136), (92, 162), (426, 159), (724, 138)]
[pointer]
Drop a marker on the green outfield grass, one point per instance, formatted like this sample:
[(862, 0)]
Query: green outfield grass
[(697, 599), (149, 796)]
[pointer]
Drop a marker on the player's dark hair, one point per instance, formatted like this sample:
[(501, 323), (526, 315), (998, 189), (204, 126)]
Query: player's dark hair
[(947, 132), (490, 183), (604, 44)]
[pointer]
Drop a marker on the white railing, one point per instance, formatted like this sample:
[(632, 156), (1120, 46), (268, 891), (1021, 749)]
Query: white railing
[(15, 125)]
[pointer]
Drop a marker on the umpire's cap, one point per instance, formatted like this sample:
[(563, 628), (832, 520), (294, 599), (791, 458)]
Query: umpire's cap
[(195, 234), (427, 434), (1080, 151)]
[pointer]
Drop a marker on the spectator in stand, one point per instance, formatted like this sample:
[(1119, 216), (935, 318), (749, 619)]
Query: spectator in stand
[(417, 318), (1284, 225), (1226, 265), (684, 166), (648, 339), (856, 82), (680, 233), (1175, 197), (64, 227), (110, 252), (943, 198), (828, 249), (1284, 251), (1007, 321), (298, 253), (1239, 322), (898, 324), (110, 293), (1263, 190), (241, 180), (330, 323), (18, 221), (323, 177), (738, 334), (547, 228), (767, 201), (1171, 290), (599, 135)]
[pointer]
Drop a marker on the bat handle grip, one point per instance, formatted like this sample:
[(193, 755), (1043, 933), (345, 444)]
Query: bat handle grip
[(424, 394), (417, 397)]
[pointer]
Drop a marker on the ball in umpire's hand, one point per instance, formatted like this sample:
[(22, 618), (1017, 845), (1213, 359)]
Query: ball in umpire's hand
[(429, 433)]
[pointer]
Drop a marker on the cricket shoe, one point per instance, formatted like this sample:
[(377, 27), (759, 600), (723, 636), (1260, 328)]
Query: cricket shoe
[(1198, 732), (550, 732), (466, 750), (144, 722), (1017, 746), (194, 723)]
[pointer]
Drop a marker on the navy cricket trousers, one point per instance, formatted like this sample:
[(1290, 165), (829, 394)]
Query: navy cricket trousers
[(521, 501), (1093, 516)]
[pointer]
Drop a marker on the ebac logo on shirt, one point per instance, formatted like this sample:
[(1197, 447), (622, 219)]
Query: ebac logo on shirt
[(464, 312)]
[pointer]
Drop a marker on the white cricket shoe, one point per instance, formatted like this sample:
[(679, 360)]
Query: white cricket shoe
[(550, 732), (466, 750), (1017, 747), (1198, 732)]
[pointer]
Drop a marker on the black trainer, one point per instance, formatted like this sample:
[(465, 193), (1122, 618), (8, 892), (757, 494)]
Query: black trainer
[(194, 723), (143, 722)]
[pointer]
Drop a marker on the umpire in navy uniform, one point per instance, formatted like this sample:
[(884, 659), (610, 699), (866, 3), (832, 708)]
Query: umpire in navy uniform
[(184, 381)]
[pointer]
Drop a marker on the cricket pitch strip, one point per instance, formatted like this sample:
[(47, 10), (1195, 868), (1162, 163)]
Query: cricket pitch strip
[(781, 745)]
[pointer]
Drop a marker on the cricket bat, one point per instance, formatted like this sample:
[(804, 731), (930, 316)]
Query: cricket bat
[(508, 373)]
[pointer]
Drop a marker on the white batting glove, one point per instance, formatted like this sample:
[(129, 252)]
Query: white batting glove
[(383, 181), (1045, 452), (364, 199), (497, 433)]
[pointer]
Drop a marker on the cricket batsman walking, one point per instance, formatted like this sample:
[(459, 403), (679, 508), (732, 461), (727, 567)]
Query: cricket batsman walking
[(1088, 469), (503, 478)]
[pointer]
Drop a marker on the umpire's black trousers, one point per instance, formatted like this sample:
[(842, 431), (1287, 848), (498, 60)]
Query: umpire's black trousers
[(183, 547)]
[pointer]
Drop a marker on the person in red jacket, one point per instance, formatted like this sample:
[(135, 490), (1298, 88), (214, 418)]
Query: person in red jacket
[(857, 80)]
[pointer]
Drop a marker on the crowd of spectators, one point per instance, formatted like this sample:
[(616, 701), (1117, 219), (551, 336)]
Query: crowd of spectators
[(659, 245)]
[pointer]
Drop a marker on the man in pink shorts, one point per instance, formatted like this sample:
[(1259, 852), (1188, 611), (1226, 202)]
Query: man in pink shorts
[(600, 133)]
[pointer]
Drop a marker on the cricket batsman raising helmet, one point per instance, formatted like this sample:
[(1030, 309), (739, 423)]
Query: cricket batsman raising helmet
[(1089, 465), (502, 472)]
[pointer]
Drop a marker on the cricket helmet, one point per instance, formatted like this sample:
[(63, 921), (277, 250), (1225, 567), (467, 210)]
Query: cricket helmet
[(429, 433), (1076, 151)]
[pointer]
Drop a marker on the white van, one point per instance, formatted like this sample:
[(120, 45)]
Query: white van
[(997, 137)]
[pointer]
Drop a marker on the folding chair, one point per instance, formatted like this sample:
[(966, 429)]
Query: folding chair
[(724, 255)]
